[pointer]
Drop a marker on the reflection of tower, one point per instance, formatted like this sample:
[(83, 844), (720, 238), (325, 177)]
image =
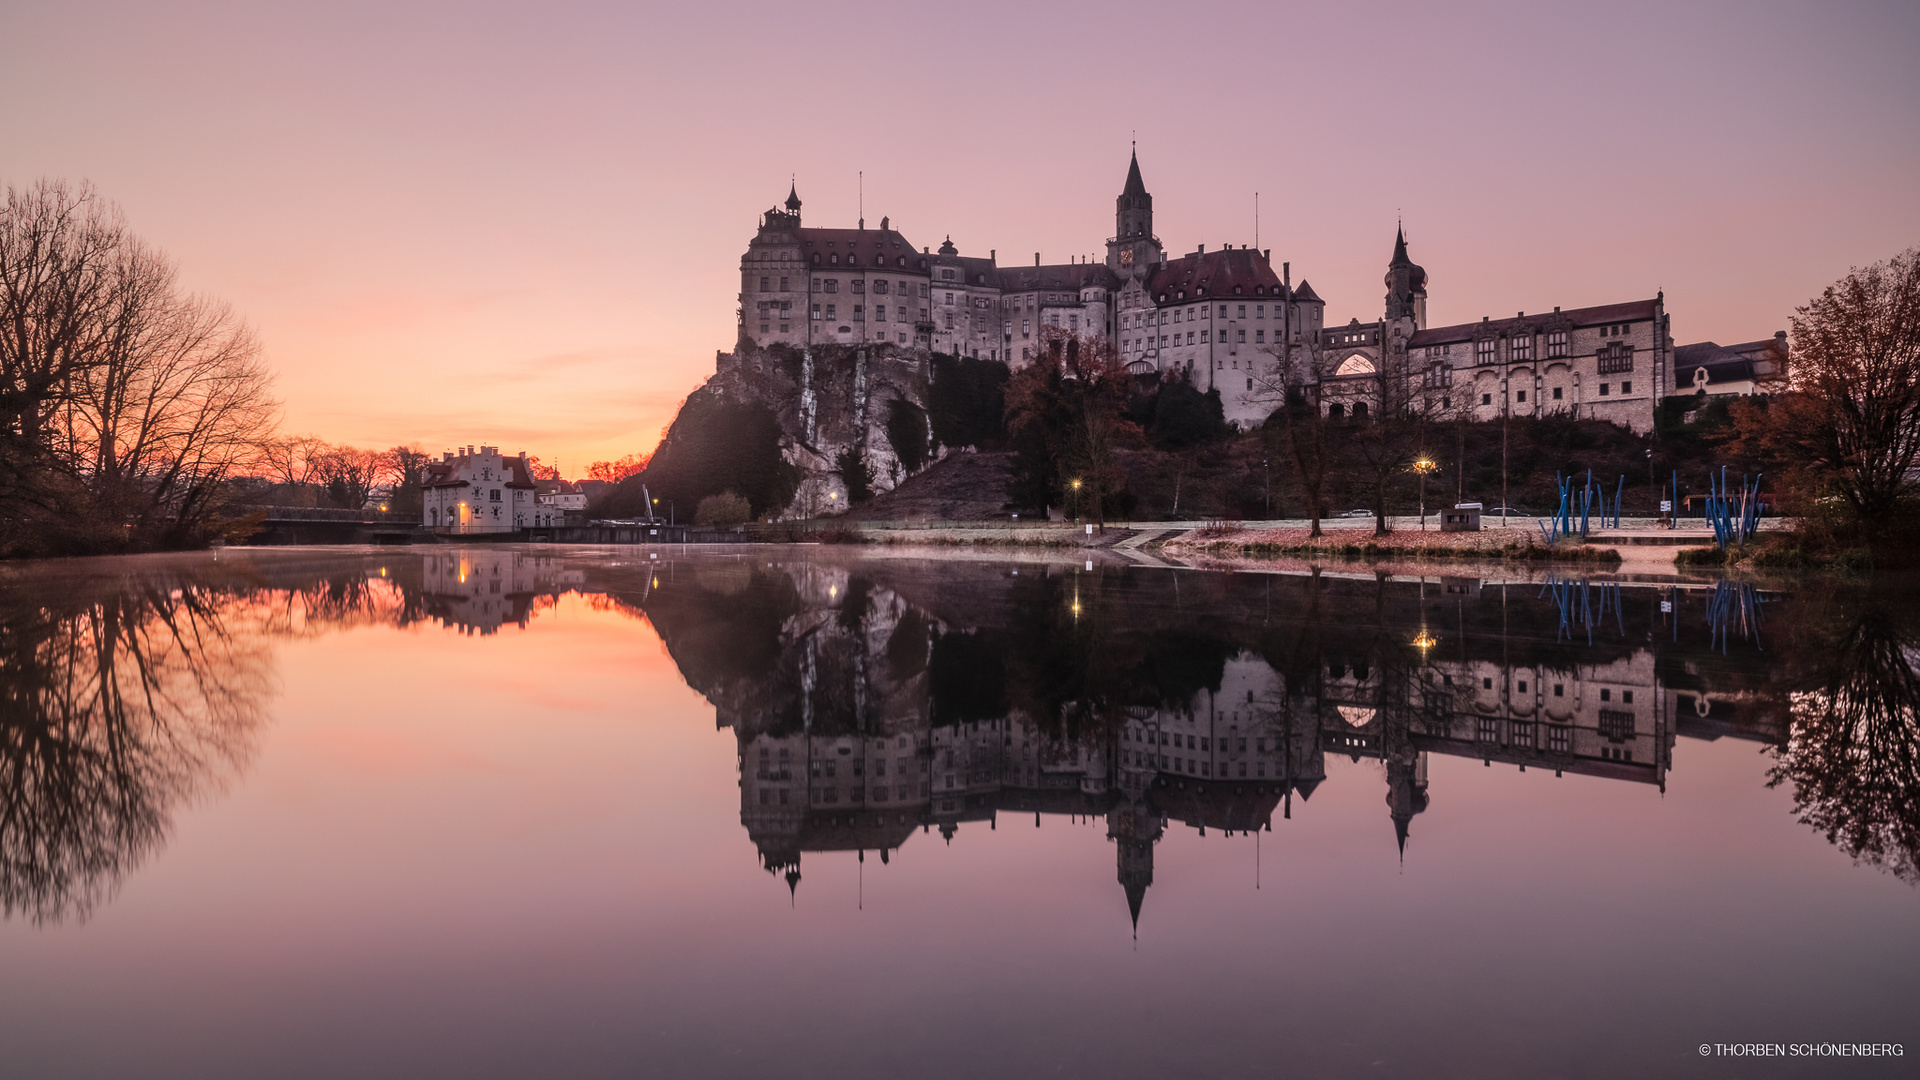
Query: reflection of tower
[(1406, 790), (1134, 829)]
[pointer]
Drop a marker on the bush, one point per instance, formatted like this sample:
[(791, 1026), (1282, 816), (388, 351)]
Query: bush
[(727, 508)]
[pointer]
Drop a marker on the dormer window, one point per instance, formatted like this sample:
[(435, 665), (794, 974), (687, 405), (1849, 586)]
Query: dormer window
[(834, 259)]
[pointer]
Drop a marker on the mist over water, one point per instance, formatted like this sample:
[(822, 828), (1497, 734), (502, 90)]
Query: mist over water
[(579, 812)]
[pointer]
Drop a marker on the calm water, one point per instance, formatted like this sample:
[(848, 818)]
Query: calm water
[(804, 812)]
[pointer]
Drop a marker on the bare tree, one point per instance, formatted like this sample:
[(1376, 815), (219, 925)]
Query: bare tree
[(175, 403), (58, 248), (350, 474), (1291, 382), (294, 460)]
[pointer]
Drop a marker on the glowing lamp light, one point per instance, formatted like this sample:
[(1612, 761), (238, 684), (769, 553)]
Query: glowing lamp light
[(1425, 641)]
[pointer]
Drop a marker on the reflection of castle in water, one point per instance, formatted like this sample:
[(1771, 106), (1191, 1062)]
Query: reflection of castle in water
[(858, 736)]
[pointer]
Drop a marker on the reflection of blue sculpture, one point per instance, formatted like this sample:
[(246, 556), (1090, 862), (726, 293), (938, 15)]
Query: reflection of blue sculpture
[(1575, 600), (1734, 605)]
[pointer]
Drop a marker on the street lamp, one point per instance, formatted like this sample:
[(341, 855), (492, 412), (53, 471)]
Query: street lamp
[(1424, 466), (1076, 499)]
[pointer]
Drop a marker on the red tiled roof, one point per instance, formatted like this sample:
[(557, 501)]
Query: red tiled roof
[(1214, 274), (863, 244), (1633, 311)]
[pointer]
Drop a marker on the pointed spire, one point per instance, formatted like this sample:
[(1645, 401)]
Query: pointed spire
[(1400, 247), (1400, 822), (793, 195), (1136, 892), (1135, 186)]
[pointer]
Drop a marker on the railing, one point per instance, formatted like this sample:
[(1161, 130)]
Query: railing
[(327, 513)]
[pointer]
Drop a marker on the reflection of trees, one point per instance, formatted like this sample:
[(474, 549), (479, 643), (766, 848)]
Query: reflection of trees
[(113, 710), (1853, 756)]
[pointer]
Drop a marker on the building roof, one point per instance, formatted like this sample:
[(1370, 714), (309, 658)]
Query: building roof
[(864, 245), (440, 474), (1303, 293), (1633, 311), (1214, 274), (1058, 276), (1723, 364)]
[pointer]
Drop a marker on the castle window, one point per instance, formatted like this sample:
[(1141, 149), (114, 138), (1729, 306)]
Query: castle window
[(834, 259), (858, 285), (816, 258), (830, 313), (1523, 348), (1223, 311), (763, 285), (1483, 351), (1259, 311), (903, 260), (1557, 343), (783, 285), (1626, 388), (1243, 311), (858, 314), (1521, 396), (1486, 399), (949, 299), (1243, 337), (1616, 357), (816, 311), (1259, 336), (1604, 388), (946, 275), (880, 286), (833, 285), (1556, 393)]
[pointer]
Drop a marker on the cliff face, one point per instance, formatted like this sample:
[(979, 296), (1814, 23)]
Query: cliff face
[(828, 399)]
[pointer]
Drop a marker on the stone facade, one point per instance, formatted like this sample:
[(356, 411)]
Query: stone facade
[(480, 490)]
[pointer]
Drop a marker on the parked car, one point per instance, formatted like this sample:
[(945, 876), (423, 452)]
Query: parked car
[(1358, 513), (1504, 511)]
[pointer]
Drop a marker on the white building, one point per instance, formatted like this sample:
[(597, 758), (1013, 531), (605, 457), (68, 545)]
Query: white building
[(482, 491)]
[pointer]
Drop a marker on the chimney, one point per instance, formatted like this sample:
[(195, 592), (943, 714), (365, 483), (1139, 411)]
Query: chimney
[(1036, 258), (1267, 254), (992, 255), (1202, 251)]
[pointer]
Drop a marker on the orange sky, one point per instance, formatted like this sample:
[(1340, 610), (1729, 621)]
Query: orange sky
[(465, 223)]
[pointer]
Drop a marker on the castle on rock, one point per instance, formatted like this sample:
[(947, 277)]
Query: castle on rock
[(1223, 320)]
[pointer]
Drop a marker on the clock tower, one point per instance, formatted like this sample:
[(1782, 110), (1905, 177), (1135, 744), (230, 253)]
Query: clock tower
[(1134, 250)]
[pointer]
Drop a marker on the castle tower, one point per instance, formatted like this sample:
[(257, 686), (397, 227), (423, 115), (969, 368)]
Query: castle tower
[(1134, 250), (1406, 285), (793, 202)]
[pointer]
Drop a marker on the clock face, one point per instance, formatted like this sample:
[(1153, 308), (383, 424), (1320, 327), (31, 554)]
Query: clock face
[(1126, 257)]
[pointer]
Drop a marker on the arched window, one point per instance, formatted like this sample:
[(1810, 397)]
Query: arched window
[(1359, 409), (1336, 409), (1356, 364)]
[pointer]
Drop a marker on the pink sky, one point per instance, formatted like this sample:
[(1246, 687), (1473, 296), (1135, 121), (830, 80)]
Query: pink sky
[(521, 225)]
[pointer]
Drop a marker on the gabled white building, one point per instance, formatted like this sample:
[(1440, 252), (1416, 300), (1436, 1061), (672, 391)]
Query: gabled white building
[(482, 491)]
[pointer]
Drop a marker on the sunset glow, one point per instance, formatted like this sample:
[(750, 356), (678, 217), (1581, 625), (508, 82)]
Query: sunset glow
[(462, 222)]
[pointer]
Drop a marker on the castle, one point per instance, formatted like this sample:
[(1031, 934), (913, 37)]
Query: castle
[(1222, 319)]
